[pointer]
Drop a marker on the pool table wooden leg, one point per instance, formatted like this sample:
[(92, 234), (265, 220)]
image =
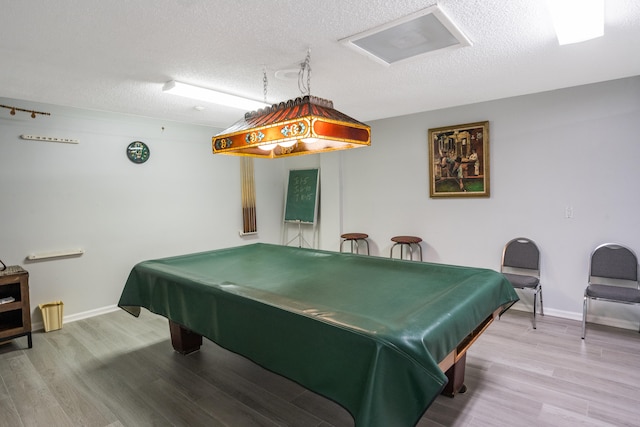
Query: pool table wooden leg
[(184, 341), (455, 374)]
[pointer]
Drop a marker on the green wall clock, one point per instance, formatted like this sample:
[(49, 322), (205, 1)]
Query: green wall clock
[(138, 152)]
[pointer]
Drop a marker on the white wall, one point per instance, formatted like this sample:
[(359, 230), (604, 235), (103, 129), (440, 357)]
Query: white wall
[(577, 147), (58, 196)]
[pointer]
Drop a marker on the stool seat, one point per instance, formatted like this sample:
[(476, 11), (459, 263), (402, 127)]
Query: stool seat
[(354, 236), (409, 242), (354, 239), (406, 239)]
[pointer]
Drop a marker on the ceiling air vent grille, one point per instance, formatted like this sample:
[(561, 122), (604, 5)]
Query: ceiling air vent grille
[(421, 33)]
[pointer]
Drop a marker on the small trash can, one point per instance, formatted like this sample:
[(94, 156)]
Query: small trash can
[(52, 313)]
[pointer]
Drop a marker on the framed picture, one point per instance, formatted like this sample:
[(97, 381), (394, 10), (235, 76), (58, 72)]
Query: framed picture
[(459, 160)]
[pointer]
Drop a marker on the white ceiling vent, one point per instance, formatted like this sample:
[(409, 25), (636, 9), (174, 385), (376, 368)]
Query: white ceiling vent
[(418, 34)]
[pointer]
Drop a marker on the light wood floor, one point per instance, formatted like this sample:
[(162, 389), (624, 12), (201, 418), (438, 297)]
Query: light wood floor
[(116, 370)]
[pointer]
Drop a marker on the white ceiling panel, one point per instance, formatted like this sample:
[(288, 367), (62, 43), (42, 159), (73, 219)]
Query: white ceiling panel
[(117, 55)]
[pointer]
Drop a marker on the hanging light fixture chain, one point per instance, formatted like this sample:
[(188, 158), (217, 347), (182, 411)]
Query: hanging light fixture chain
[(264, 83), (308, 62), (305, 67)]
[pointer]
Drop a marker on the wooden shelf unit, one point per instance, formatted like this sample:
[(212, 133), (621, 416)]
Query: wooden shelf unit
[(15, 317)]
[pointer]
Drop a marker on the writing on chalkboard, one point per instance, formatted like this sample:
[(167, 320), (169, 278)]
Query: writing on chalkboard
[(302, 196), (303, 188)]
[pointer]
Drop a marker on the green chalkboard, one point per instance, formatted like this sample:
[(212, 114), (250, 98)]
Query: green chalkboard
[(302, 196)]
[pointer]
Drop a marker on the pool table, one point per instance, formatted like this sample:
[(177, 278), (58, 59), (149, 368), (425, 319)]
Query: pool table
[(382, 337)]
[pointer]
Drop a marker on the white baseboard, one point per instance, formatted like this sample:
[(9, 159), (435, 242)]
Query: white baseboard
[(616, 323), (600, 320), (39, 326)]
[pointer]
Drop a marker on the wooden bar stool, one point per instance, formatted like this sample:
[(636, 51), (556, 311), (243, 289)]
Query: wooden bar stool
[(354, 239), (409, 242)]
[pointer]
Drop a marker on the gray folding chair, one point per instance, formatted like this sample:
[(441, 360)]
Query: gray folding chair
[(613, 276), (521, 266)]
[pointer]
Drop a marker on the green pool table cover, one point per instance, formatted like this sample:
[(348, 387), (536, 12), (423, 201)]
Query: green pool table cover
[(366, 332)]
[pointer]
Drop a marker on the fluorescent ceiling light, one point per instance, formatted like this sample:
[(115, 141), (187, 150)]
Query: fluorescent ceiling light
[(212, 96), (577, 20)]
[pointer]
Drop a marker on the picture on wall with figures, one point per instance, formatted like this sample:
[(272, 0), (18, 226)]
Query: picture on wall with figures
[(459, 160)]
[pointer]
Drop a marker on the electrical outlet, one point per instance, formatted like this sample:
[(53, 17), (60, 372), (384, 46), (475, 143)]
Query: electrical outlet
[(568, 212)]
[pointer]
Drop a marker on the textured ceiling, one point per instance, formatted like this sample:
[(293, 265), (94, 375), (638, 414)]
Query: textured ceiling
[(116, 55)]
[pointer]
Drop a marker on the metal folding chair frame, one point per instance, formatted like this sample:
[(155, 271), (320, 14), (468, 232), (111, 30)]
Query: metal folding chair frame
[(586, 298), (535, 267)]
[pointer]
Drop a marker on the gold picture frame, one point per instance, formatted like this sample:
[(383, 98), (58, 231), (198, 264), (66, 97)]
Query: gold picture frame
[(459, 160)]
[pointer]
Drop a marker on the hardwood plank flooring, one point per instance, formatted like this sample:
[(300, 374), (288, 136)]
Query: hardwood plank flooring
[(115, 370)]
